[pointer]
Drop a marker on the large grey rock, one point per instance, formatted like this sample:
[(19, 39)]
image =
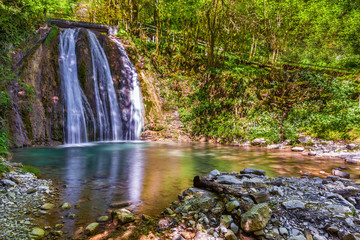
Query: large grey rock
[(253, 171), (297, 149), (228, 179), (256, 218), (211, 175), (254, 183), (8, 182), (123, 216), (339, 173), (338, 209), (294, 204)]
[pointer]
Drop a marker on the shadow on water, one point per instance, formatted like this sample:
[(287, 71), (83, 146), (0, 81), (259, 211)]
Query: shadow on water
[(150, 175)]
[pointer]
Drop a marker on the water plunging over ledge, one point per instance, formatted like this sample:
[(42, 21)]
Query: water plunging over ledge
[(107, 120)]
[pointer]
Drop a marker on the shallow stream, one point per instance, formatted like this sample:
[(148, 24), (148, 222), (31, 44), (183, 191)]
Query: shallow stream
[(150, 175)]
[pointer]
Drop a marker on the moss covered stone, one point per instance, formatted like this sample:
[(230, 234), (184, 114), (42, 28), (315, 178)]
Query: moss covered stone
[(256, 218)]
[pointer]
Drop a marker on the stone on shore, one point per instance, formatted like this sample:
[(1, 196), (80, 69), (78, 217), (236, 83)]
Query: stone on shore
[(228, 179), (47, 206), (123, 216), (37, 233), (256, 218), (339, 173), (92, 228), (253, 171), (294, 204), (297, 149)]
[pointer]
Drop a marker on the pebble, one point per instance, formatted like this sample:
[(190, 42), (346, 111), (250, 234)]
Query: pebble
[(26, 194)]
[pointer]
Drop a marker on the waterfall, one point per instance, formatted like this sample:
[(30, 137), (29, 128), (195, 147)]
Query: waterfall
[(135, 123), (105, 120), (107, 108), (76, 120)]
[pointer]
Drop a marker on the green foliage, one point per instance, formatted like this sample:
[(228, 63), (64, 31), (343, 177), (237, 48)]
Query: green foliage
[(4, 139), (4, 168), (52, 35), (5, 104), (31, 169)]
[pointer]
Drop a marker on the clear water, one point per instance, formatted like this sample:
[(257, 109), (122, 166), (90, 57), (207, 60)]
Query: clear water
[(150, 175)]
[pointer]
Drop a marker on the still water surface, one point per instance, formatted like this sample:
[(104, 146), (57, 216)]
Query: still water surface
[(150, 175)]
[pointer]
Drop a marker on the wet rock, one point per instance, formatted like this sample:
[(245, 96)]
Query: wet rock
[(297, 149), (123, 216), (37, 233), (119, 204), (66, 206), (59, 226), (103, 219), (256, 218), (228, 179), (339, 173), (92, 228), (57, 233), (253, 171), (47, 206), (294, 204)]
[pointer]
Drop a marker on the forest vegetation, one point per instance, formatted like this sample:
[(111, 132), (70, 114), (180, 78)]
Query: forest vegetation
[(234, 70)]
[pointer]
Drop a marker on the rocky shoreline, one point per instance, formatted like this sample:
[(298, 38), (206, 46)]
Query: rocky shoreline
[(21, 196), (249, 205)]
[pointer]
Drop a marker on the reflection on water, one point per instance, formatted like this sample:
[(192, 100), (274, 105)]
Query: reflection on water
[(152, 174)]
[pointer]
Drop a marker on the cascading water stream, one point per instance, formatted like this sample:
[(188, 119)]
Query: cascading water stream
[(136, 118), (75, 122), (107, 108), (80, 122)]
